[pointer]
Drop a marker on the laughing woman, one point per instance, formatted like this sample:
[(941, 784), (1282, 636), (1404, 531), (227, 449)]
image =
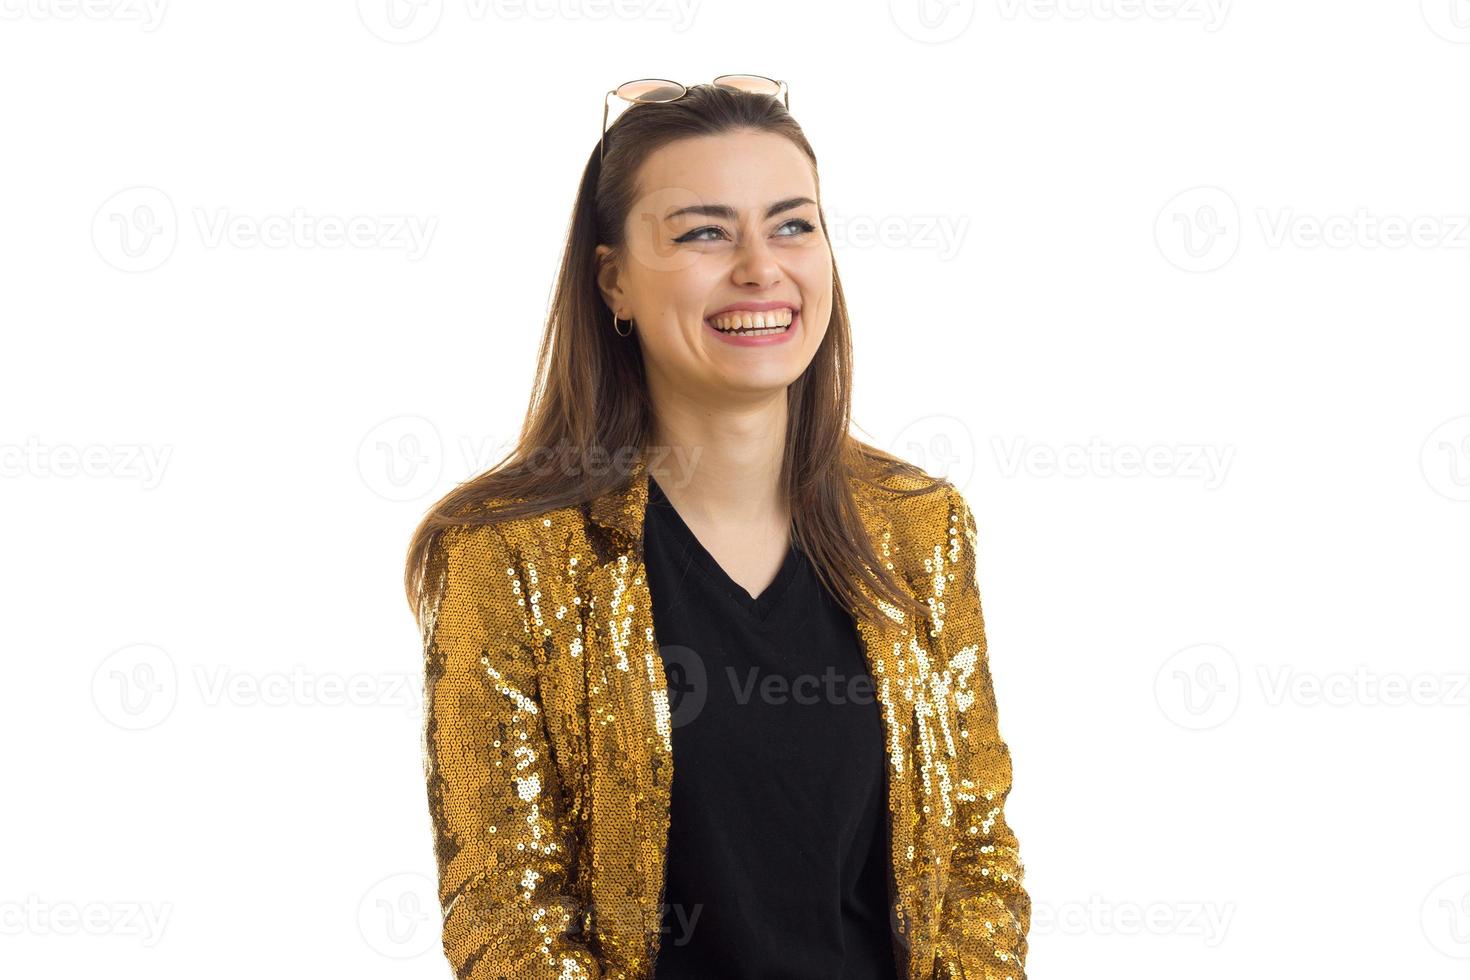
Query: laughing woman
[(706, 676)]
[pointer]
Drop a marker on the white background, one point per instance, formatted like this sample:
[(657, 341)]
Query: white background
[(1229, 239)]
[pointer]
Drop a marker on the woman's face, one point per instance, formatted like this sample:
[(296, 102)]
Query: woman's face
[(722, 221)]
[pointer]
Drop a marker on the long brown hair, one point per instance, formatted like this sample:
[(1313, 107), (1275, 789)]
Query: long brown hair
[(590, 397)]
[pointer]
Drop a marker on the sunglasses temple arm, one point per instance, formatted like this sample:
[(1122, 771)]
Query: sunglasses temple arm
[(603, 136)]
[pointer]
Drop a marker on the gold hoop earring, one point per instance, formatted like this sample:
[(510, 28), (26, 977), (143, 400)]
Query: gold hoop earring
[(619, 332)]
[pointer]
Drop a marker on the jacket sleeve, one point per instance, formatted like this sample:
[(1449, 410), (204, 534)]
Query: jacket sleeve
[(501, 841), (985, 912)]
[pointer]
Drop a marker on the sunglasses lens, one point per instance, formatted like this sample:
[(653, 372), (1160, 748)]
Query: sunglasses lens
[(758, 84), (650, 90)]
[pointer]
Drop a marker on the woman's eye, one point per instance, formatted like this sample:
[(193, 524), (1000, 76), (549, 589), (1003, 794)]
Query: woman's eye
[(694, 236), (799, 226)]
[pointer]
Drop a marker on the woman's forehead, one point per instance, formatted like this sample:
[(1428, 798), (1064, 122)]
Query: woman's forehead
[(746, 171)]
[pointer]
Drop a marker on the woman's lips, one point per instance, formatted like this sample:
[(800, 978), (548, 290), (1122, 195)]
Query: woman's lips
[(757, 340)]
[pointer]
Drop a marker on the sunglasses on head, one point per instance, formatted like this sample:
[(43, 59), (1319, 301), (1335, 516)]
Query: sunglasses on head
[(662, 90)]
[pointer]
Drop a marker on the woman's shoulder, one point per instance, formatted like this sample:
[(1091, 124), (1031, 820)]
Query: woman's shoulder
[(514, 523), (915, 518), (912, 498)]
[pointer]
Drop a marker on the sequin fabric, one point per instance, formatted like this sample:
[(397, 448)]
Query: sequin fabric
[(548, 751)]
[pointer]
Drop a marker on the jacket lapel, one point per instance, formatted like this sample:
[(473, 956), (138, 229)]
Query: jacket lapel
[(886, 641), (627, 699)]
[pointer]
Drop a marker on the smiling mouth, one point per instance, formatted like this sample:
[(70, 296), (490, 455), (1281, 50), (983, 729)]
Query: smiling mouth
[(744, 323)]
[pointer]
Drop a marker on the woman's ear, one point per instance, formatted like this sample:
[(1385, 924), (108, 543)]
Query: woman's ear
[(608, 273)]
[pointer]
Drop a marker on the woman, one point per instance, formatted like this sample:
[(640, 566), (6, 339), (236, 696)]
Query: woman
[(706, 676)]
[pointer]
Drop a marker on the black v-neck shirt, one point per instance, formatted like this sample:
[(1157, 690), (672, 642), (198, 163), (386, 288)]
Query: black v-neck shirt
[(778, 849)]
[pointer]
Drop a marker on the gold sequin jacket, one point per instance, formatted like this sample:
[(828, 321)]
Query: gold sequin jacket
[(549, 762)]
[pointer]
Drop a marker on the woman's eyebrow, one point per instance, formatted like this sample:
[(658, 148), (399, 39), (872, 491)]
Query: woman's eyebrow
[(729, 213)]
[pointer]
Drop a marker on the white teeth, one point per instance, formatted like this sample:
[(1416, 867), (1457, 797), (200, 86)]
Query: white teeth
[(742, 332), (745, 322)]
